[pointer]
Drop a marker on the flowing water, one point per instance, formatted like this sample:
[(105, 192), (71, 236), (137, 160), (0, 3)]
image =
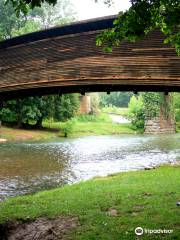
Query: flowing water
[(32, 166)]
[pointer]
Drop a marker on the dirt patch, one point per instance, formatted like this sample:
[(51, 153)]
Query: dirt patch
[(112, 212), (138, 207), (146, 194), (14, 134), (42, 228)]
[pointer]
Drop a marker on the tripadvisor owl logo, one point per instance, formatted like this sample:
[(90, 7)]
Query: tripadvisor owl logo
[(139, 231)]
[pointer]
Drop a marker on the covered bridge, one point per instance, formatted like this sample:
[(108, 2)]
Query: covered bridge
[(66, 59)]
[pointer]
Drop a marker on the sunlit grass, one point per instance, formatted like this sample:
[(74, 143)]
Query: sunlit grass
[(142, 198), (86, 125)]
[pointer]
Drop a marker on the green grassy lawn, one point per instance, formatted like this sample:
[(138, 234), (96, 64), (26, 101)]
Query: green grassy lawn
[(93, 128), (92, 125), (141, 198)]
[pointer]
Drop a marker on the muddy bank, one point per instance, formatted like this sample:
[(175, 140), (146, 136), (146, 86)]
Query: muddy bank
[(15, 134), (41, 228)]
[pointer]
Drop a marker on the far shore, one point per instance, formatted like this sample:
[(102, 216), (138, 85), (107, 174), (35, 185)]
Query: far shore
[(53, 130), (15, 134)]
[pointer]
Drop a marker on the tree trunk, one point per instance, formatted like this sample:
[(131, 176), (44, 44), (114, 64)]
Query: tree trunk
[(19, 123), (1, 106), (39, 123)]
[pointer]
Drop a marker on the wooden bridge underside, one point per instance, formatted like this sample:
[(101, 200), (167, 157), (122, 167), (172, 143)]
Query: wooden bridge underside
[(66, 59)]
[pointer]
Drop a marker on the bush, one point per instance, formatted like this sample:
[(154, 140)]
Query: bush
[(177, 115), (65, 106), (177, 106), (136, 112), (67, 128)]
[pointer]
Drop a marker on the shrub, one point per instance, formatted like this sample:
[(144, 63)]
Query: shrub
[(67, 128), (136, 112)]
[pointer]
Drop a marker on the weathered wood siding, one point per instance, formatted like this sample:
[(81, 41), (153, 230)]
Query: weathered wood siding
[(74, 60)]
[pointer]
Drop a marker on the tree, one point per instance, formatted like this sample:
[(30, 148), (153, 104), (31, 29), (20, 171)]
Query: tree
[(25, 111), (9, 21), (143, 17), (118, 99), (49, 16), (65, 106), (38, 18), (23, 6)]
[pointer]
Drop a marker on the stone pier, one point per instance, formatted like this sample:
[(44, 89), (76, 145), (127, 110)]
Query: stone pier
[(85, 105), (160, 124)]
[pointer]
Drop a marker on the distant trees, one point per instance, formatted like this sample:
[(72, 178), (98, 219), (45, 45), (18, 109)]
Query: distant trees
[(49, 15), (118, 99), (38, 18), (8, 20)]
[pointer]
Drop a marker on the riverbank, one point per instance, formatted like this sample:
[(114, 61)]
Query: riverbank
[(52, 130), (91, 125), (15, 134), (81, 126), (103, 208)]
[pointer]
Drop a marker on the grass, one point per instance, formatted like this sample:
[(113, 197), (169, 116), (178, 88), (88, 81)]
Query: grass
[(116, 110), (87, 125), (141, 198), (84, 125), (92, 128)]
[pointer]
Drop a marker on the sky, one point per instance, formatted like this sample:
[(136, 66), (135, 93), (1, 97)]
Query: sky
[(87, 9)]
